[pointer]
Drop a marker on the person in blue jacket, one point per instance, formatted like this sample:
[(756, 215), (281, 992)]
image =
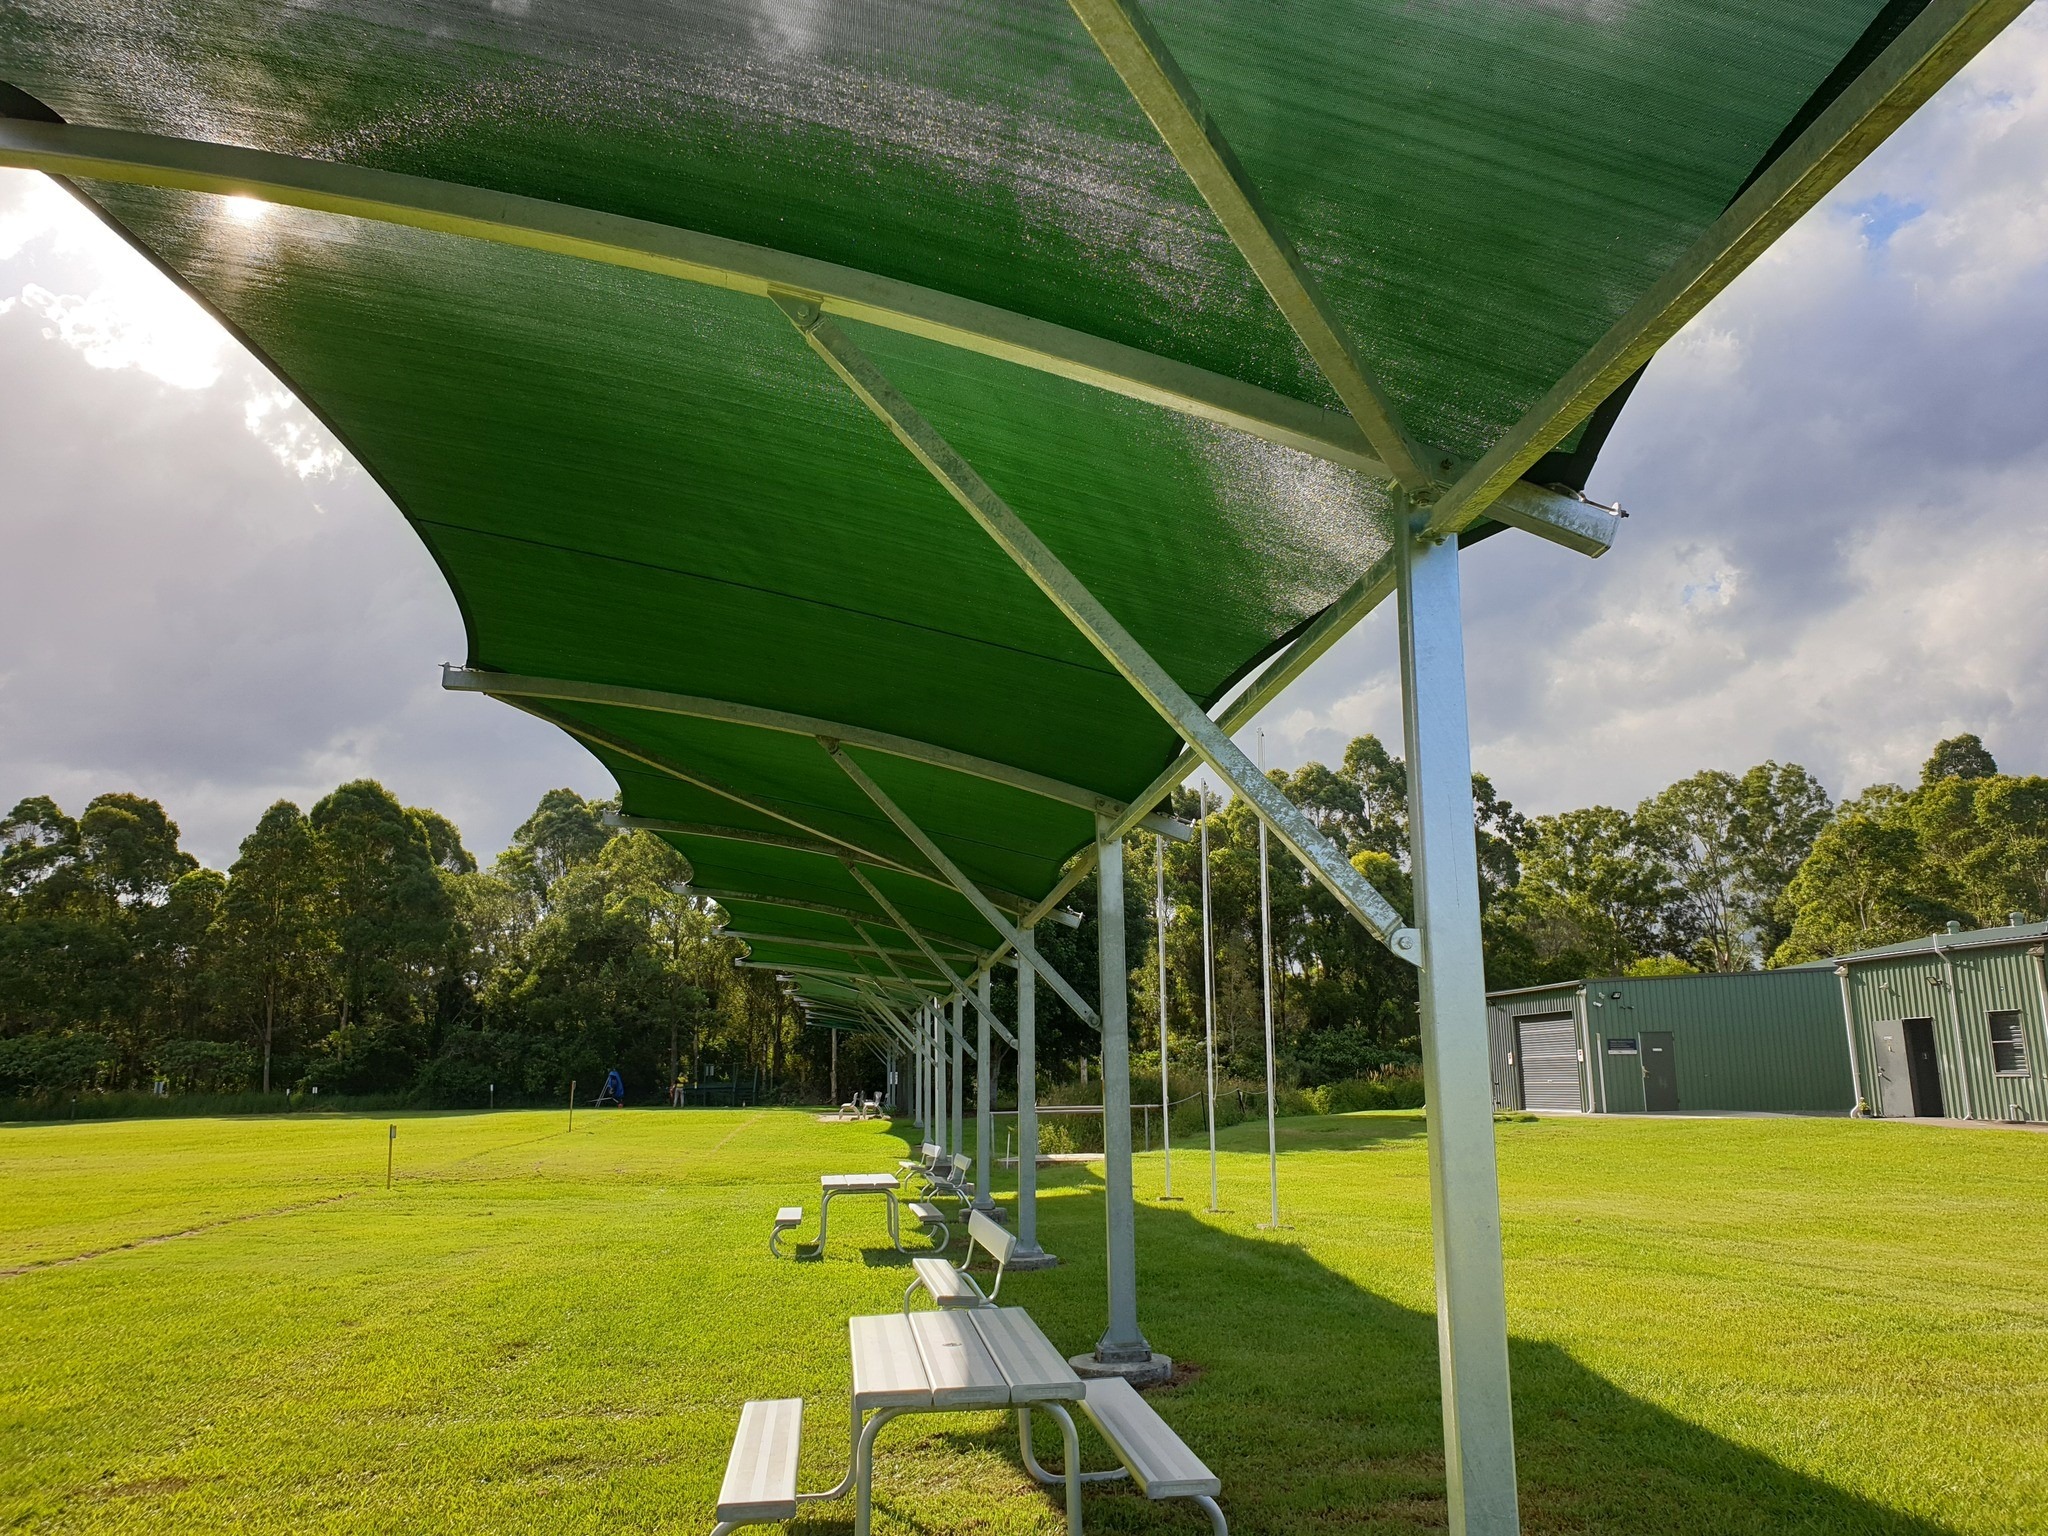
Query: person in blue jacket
[(614, 1088)]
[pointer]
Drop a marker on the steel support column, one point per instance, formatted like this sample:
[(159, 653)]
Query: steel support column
[(1027, 1100), (917, 1076), (1471, 1310), (931, 1076), (1208, 1002), (984, 1103), (943, 1055), (1159, 915), (1121, 1341), (959, 1085)]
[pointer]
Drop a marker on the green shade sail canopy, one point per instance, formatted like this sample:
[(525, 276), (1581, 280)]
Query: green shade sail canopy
[(636, 475)]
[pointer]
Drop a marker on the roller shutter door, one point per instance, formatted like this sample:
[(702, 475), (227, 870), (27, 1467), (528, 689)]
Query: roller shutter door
[(1547, 1049)]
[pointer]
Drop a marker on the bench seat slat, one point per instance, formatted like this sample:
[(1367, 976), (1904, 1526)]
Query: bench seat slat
[(888, 1370), (963, 1375), (1037, 1371), (1160, 1462), (760, 1476)]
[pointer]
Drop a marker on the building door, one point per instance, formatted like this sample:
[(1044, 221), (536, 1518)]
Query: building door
[(1894, 1071), (1660, 1070), (1925, 1067), (1547, 1051)]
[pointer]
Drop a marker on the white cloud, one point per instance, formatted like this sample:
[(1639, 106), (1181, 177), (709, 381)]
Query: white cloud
[(168, 337), (293, 434)]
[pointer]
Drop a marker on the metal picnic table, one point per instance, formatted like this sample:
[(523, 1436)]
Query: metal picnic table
[(958, 1362), (832, 1185)]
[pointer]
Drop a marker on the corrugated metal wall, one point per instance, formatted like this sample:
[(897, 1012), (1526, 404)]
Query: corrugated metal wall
[(1986, 980), (1772, 1040), (1768, 1040)]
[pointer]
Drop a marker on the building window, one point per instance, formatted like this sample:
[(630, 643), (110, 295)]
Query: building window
[(2008, 1043)]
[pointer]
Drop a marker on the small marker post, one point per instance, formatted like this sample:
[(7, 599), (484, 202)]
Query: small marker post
[(390, 1153), (572, 1103)]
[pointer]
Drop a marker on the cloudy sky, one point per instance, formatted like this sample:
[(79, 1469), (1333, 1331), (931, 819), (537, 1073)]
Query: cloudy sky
[(1837, 476)]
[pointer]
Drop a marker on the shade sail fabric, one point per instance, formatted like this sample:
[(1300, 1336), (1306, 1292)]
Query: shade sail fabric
[(635, 480)]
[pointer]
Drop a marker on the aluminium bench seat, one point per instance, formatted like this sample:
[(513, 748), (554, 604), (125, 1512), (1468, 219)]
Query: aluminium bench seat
[(760, 1473), (949, 1285), (1159, 1461)]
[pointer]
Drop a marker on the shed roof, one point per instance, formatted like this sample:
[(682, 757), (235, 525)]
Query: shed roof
[(519, 260), (1974, 938)]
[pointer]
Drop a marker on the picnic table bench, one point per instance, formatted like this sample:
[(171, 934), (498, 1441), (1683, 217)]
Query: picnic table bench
[(960, 1362), (832, 1185), (953, 1362), (1158, 1460)]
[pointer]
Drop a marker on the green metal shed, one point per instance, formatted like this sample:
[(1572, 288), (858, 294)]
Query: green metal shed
[(1765, 1041), (1951, 1025)]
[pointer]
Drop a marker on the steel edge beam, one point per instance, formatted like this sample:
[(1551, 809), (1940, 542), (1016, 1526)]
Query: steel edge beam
[(417, 202), (799, 904), (823, 850), (508, 685), (389, 197), (660, 764), (751, 937)]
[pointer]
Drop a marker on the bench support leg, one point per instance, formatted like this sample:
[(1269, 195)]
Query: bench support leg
[(1216, 1520), (1464, 1186), (1114, 1474), (864, 1471)]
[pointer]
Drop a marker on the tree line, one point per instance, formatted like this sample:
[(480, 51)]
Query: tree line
[(1717, 872), (358, 948)]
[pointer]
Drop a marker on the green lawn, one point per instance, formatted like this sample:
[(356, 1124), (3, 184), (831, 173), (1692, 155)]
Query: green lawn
[(1720, 1326)]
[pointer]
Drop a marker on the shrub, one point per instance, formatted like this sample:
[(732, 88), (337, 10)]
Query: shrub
[(36, 1064)]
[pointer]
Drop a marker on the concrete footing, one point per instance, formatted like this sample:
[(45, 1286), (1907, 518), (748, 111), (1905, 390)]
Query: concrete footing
[(1037, 1259), (1148, 1372)]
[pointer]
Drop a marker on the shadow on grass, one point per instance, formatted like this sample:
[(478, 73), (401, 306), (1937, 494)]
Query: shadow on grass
[(1317, 1400)]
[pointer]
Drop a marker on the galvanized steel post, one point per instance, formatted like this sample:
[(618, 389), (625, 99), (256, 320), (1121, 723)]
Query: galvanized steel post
[(1159, 911), (984, 1106), (1121, 1341), (1464, 1187), (1027, 1101), (1208, 999), (1266, 985), (959, 1088), (941, 1083)]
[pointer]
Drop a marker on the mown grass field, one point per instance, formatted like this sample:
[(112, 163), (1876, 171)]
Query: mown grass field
[(1720, 1326)]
